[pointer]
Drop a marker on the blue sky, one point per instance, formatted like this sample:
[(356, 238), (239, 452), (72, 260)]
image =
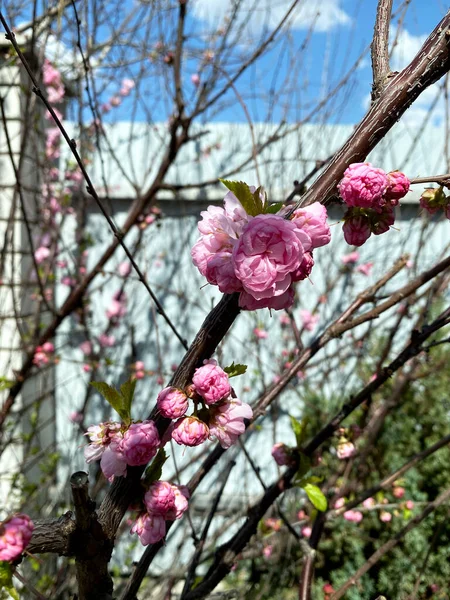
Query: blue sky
[(342, 31)]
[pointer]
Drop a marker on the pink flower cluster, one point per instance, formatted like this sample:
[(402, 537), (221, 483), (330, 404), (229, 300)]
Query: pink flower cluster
[(371, 195), (53, 83), (118, 307), (164, 501), (434, 199), (117, 446), (116, 100), (261, 257), (43, 354), (15, 535), (222, 416)]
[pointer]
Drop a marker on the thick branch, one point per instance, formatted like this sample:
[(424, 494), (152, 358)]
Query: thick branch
[(380, 47)]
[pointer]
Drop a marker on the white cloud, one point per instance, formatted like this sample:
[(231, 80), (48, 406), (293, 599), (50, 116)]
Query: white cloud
[(406, 47), (322, 14)]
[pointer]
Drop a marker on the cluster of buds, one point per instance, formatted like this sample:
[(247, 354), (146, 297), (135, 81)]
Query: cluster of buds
[(145, 220), (15, 535), (262, 255), (163, 502), (216, 415), (370, 195), (117, 445), (434, 199), (43, 354), (116, 100), (118, 307)]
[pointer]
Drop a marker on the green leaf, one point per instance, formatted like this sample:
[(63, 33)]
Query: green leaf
[(121, 403), (299, 428), (154, 471), (127, 391), (272, 209), (5, 383), (6, 583), (235, 370), (260, 204), (316, 496), (242, 192), (304, 465)]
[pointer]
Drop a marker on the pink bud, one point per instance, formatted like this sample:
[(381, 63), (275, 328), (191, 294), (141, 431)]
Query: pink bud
[(281, 454), (195, 78), (190, 431), (159, 498), (211, 382), (140, 443), (15, 535), (172, 403)]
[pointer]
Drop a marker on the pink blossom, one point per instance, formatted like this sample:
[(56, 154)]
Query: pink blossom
[(50, 75), (261, 334), (76, 417), (269, 249), (267, 551), (150, 528), (356, 229), (286, 300), (398, 186), (40, 359), (328, 588), (227, 421), (190, 431), (15, 535), (398, 491), (112, 462), (339, 503), (124, 269), (139, 365), (306, 531), (409, 504), (305, 268), (211, 382), (181, 503), (115, 101), (365, 268), (106, 341), (220, 271), (172, 403), (312, 220), (86, 348), (48, 347), (353, 516), (309, 320), (128, 84), (139, 375), (87, 368), (345, 449), (385, 516), (102, 434), (55, 95), (363, 185), (369, 503), (140, 443), (195, 78), (159, 498), (41, 254), (281, 454)]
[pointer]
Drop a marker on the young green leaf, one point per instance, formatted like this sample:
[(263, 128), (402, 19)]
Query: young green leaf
[(235, 370), (272, 209), (154, 470), (242, 192), (6, 583), (120, 403), (299, 429), (127, 391), (316, 496)]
